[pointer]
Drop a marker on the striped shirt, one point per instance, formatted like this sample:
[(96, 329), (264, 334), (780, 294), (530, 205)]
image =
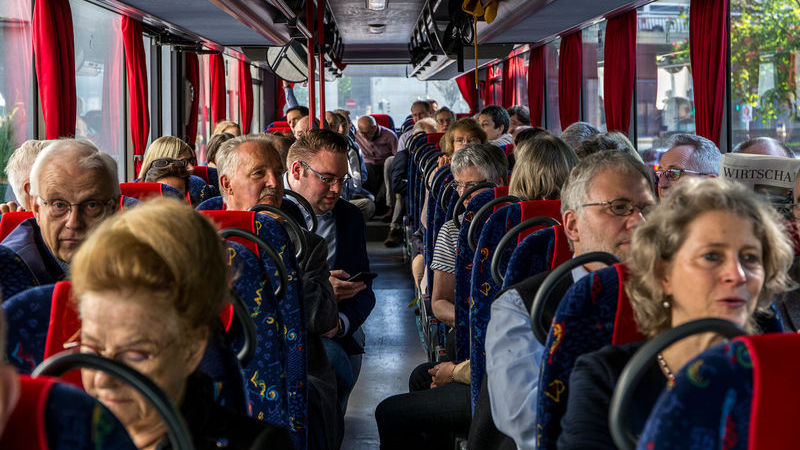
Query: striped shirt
[(444, 252)]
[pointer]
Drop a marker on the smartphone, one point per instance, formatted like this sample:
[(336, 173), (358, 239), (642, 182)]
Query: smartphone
[(362, 276)]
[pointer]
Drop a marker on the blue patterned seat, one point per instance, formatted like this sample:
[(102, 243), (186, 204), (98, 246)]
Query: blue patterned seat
[(287, 206), (208, 175), (15, 276), (483, 287), (543, 250), (200, 191)]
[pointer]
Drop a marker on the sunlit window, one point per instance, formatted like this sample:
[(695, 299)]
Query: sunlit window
[(593, 38), (232, 87), (551, 86), (203, 108)]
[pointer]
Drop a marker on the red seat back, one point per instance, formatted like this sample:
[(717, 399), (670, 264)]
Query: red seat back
[(561, 250), (235, 219), (280, 130), (10, 220), (460, 116), (26, 426), (280, 124), (509, 149), (538, 208), (625, 329), (382, 120), (141, 191), (434, 138), (202, 172)]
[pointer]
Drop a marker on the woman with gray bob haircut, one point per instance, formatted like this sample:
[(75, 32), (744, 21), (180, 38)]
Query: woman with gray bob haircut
[(487, 159)]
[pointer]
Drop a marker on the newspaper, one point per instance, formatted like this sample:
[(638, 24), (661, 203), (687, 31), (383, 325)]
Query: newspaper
[(772, 176)]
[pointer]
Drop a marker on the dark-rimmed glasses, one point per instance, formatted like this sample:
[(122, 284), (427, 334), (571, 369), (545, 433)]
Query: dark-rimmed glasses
[(673, 175), (91, 209), (164, 162)]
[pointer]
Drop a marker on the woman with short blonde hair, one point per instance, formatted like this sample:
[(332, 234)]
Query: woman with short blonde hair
[(168, 147), (226, 126), (541, 168)]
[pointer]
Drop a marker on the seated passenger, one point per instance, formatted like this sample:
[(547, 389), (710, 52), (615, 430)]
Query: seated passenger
[(304, 124), (518, 116), (606, 141), (542, 166), (18, 171), (73, 187), (213, 147), (420, 109), (445, 118), (689, 155), (576, 133), (711, 249), (169, 171), (377, 143), (354, 191), (168, 147), (590, 224), (759, 146), (495, 123), (439, 401), (226, 126), (142, 303), (295, 113)]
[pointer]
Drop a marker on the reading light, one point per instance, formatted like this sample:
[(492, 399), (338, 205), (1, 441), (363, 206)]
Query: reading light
[(376, 28), (376, 5)]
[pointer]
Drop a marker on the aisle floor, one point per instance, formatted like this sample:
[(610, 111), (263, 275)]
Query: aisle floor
[(393, 347)]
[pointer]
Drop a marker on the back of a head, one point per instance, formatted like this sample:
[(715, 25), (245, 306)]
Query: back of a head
[(527, 134), (313, 142), (169, 170), (78, 153), (490, 161), (576, 133), (522, 113), (163, 147), (20, 163), (579, 182), (499, 116), (421, 126), (705, 158), (606, 141), (164, 248), (213, 145), (764, 146), (225, 125), (542, 165)]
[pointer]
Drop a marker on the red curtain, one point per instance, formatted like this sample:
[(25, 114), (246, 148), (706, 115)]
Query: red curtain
[(110, 137), (489, 91), (508, 82), (245, 96), (217, 69), (193, 78), (280, 98), (708, 48), (620, 71), (466, 84), (54, 49), (536, 78), (569, 79), (136, 66)]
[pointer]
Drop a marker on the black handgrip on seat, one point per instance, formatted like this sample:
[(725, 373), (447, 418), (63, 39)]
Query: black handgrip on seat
[(293, 229), (461, 199), (473, 227), (176, 427), (618, 419), (512, 234), (283, 274), (543, 300), (439, 175), (305, 205), (430, 166), (443, 198), (242, 315)]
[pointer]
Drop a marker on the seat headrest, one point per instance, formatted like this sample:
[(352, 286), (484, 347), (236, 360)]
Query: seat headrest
[(235, 219), (142, 191), (538, 208), (434, 138), (625, 329), (10, 220)]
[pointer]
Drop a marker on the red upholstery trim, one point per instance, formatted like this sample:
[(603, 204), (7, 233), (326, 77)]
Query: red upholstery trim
[(775, 393), (382, 120), (624, 326), (561, 250), (226, 316), (245, 97), (236, 219), (538, 208), (9, 221), (500, 191), (280, 124), (202, 172), (280, 130), (509, 149), (460, 116), (65, 324), (30, 410), (435, 138), (140, 191)]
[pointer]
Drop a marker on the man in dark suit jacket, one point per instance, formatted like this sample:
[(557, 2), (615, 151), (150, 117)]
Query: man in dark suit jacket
[(317, 170)]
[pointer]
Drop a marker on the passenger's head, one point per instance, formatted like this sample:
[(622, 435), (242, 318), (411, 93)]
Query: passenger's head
[(445, 118), (168, 147), (344, 112), (426, 125), (606, 141), (213, 147), (18, 170), (518, 116), (421, 109), (367, 127), (281, 144), (169, 171), (318, 168), (478, 163), (710, 249), (495, 121), (464, 132), (527, 134), (226, 126), (294, 114), (9, 380), (148, 296), (337, 122), (576, 133), (542, 165), (764, 146), (688, 156), (606, 196), (434, 104), (250, 172), (74, 187), (303, 125)]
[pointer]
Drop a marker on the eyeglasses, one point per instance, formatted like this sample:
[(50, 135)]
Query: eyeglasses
[(91, 209), (674, 175), (467, 185), (164, 162), (130, 357), (623, 207), (330, 181), (466, 140)]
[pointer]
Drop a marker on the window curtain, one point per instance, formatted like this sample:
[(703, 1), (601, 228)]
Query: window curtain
[(620, 71), (569, 79), (280, 99), (708, 47), (136, 66), (218, 98), (245, 96), (54, 53), (487, 93), (513, 71), (110, 137), (466, 84), (536, 79), (193, 78)]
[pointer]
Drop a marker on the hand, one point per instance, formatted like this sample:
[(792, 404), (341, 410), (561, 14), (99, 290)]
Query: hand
[(345, 289), (331, 334), (442, 374), (9, 207), (443, 161)]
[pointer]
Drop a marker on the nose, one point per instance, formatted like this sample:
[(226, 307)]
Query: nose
[(75, 220), (734, 272), (635, 219), (101, 379), (336, 187)]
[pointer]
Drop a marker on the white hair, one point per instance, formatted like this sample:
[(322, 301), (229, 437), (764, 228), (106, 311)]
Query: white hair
[(19, 166), (82, 154), (228, 155), (419, 126)]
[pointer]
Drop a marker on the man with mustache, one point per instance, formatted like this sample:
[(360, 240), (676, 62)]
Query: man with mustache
[(250, 172)]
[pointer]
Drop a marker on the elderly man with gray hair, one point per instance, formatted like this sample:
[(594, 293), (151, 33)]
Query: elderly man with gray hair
[(688, 155), (764, 146), (73, 187), (578, 132), (18, 170)]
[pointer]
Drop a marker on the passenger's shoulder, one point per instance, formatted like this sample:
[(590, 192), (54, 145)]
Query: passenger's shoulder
[(610, 359)]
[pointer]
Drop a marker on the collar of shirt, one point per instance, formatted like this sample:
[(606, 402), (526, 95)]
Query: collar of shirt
[(578, 273)]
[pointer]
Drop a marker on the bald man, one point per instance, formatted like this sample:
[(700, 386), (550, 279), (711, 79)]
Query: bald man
[(764, 146), (377, 143)]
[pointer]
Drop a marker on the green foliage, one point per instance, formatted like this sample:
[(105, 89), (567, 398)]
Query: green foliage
[(344, 89)]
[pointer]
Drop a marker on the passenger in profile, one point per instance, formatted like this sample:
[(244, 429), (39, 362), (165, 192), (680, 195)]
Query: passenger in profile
[(354, 191), (496, 124), (169, 171), (377, 144), (688, 156), (226, 126), (576, 133), (18, 171), (445, 118), (764, 146), (605, 197), (213, 146), (711, 249), (518, 116), (73, 187), (143, 303), (317, 165)]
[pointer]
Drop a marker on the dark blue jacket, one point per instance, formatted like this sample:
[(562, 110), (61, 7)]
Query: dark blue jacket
[(351, 256), (27, 244), (400, 172)]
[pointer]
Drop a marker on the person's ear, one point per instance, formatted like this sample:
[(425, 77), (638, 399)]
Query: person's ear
[(570, 224), (36, 208), (225, 184), (9, 393), (662, 273), (296, 170)]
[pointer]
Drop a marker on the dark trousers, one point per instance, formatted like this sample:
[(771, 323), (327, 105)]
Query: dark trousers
[(375, 184), (424, 418)]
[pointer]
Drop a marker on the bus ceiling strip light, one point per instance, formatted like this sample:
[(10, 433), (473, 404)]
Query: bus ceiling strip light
[(289, 62), (376, 5)]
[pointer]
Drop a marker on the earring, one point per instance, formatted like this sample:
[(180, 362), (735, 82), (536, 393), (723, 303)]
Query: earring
[(667, 303)]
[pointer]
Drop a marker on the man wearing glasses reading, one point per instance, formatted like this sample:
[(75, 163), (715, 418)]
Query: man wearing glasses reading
[(688, 155), (74, 187), (317, 164)]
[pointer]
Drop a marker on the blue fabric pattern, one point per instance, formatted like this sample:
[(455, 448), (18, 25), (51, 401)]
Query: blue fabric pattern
[(15, 276), (28, 320), (200, 191), (212, 204), (532, 256)]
